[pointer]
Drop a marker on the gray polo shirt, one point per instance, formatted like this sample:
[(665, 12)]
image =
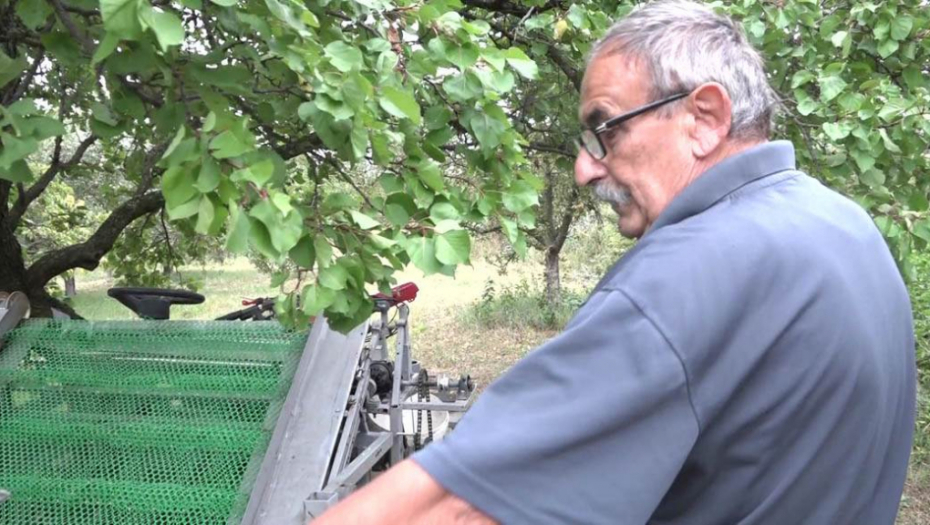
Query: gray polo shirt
[(751, 360)]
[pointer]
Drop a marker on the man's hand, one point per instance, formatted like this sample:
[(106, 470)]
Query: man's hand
[(404, 494)]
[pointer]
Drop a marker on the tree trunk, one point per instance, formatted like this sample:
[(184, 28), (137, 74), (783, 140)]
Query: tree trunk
[(12, 267), (70, 285), (553, 282)]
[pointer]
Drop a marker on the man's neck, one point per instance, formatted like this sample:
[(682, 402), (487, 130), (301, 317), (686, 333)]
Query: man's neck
[(725, 151)]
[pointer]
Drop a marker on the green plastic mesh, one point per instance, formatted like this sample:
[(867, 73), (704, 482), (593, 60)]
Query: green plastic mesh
[(138, 422)]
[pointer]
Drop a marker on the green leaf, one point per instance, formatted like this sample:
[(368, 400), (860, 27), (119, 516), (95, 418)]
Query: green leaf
[(41, 128), (15, 149), (343, 57), (494, 57), (103, 114), (336, 202), (225, 3), (399, 207), (837, 130), (106, 48), (364, 221), (284, 231), (209, 176), (316, 298), (914, 77), (453, 247), (838, 38), (864, 159), (830, 87), (177, 183), (520, 196), (11, 68), (33, 14), (807, 106), (183, 211), (422, 251), (121, 17), (522, 63), (901, 27), (463, 87), (889, 144), (324, 252), (238, 239), (178, 137), (887, 48), (428, 171), (303, 253), (872, 178), (259, 173), (444, 211), (205, 214), (487, 129), (227, 145), (333, 277), (168, 29), (400, 104), (801, 77), (463, 56), (17, 172)]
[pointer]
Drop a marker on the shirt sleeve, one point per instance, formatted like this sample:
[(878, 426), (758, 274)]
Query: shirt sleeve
[(592, 427)]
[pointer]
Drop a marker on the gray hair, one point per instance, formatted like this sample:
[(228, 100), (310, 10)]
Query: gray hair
[(684, 44)]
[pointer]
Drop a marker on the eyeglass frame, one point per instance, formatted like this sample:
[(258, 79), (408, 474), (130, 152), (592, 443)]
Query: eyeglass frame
[(620, 119)]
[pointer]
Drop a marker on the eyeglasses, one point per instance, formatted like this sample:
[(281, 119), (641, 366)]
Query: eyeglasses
[(591, 138)]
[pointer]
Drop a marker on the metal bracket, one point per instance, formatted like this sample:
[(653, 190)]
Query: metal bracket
[(318, 503), (13, 307)]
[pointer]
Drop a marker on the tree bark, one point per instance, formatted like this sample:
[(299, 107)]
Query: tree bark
[(70, 285), (87, 254), (553, 280), (12, 267)]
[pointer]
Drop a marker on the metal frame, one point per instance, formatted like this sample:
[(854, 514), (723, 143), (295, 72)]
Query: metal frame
[(299, 456)]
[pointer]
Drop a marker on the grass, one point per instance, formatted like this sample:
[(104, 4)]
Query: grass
[(452, 335)]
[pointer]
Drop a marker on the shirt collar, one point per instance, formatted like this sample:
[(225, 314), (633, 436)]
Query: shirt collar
[(725, 177)]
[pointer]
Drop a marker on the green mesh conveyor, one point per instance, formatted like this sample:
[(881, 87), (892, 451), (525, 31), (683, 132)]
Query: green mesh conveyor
[(129, 422)]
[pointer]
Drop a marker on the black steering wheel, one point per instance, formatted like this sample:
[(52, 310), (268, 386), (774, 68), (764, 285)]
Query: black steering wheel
[(153, 303)]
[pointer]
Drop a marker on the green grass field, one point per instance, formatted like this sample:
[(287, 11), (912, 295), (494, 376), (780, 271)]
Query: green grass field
[(447, 336)]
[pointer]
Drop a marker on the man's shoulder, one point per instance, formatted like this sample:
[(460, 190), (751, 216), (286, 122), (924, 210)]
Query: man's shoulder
[(762, 231)]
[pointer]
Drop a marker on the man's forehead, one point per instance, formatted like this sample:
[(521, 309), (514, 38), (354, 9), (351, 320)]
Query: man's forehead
[(611, 82)]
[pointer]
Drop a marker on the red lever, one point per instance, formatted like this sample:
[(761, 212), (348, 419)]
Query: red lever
[(404, 292), (401, 293)]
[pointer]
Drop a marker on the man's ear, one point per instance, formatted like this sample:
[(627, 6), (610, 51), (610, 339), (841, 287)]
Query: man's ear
[(710, 106)]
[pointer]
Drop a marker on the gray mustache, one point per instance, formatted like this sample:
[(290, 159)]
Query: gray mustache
[(610, 192)]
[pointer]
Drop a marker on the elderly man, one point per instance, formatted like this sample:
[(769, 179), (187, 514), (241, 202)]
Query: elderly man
[(751, 360)]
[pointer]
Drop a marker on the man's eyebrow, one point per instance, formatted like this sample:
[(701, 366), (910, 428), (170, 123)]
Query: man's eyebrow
[(595, 117)]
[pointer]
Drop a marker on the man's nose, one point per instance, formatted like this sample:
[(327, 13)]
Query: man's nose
[(588, 170)]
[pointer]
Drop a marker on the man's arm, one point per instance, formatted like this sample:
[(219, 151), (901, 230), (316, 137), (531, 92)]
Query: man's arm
[(403, 494)]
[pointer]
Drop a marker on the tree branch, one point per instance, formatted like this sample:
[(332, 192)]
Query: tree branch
[(539, 146), (87, 254), (75, 32), (27, 80), (510, 8), (32, 193), (567, 218)]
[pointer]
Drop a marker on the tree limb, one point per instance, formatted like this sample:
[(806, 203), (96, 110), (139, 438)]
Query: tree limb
[(539, 146), (75, 32), (510, 8), (27, 80), (32, 193), (87, 254), (567, 218)]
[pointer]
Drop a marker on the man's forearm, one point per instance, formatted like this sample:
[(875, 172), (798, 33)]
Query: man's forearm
[(404, 494)]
